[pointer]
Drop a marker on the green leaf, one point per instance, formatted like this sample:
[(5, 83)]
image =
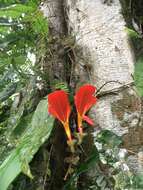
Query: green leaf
[(109, 138), (7, 92), (25, 168), (90, 162), (39, 24), (3, 30), (138, 181), (138, 75), (132, 33), (36, 134), (16, 10)]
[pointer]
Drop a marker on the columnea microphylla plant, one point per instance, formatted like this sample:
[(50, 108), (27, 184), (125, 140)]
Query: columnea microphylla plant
[(59, 107)]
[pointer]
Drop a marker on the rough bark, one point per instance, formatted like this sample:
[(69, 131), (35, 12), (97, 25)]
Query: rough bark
[(103, 54), (54, 65)]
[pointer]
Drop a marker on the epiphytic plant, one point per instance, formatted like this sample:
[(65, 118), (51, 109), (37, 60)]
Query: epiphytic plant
[(84, 100), (59, 107)]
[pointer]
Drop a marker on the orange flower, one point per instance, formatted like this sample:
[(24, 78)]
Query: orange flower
[(84, 99), (59, 107)]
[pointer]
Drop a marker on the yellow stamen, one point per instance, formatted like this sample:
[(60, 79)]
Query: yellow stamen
[(67, 130), (70, 142), (80, 123), (81, 134)]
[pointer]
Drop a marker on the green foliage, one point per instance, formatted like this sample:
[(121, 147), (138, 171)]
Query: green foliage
[(7, 91), (15, 11), (22, 131), (22, 29), (138, 75), (138, 181), (109, 139), (60, 86), (132, 33), (37, 132)]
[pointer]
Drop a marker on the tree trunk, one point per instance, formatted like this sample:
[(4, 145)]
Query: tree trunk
[(102, 55), (55, 61)]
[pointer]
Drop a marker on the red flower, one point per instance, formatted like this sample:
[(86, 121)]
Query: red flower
[(59, 107), (84, 99)]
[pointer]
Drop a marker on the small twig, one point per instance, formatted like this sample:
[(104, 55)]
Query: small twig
[(114, 81), (45, 177), (131, 151), (83, 150), (78, 10), (67, 173), (128, 85)]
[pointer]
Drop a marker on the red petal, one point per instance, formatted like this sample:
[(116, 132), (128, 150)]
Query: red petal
[(84, 98), (88, 120), (59, 105)]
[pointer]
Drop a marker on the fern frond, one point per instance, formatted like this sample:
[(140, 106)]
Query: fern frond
[(60, 86)]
